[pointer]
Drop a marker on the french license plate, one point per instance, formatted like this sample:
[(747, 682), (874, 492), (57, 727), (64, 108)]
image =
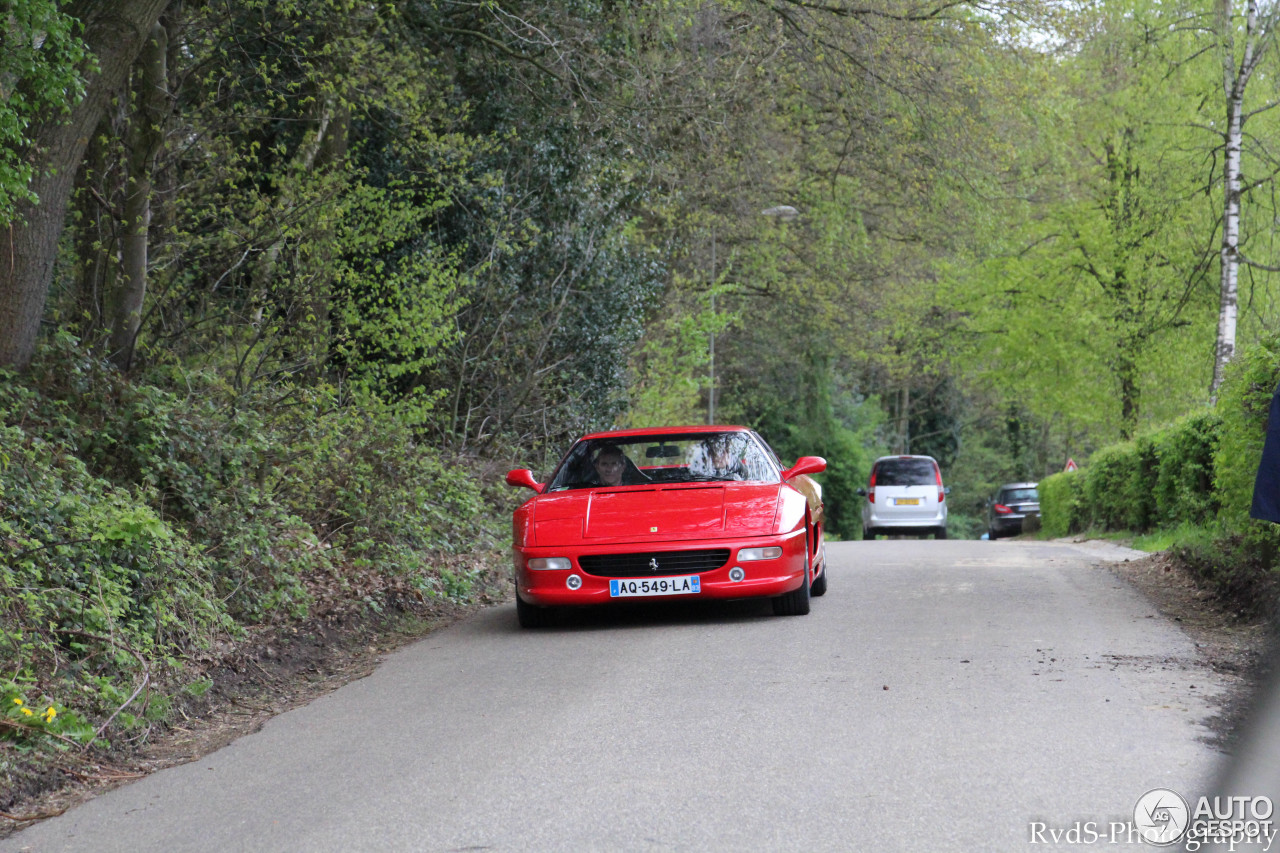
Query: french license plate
[(906, 502), (676, 585)]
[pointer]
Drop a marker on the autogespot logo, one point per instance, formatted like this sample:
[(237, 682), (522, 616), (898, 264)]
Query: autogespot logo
[(1161, 817)]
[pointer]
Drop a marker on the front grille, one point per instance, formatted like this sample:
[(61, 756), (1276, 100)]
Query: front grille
[(639, 566)]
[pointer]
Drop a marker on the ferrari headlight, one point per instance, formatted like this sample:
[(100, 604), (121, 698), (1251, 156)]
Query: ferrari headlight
[(771, 553), (560, 564)]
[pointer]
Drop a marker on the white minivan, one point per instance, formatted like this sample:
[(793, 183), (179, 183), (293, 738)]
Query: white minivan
[(905, 495)]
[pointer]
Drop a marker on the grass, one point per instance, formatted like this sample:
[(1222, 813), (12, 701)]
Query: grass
[(1183, 535)]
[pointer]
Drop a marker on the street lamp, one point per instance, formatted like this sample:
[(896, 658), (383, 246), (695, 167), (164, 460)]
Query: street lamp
[(786, 213)]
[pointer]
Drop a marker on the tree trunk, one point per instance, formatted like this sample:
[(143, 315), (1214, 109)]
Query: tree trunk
[(904, 418), (94, 235), (114, 33), (146, 134), (1258, 33), (1229, 253), (1127, 371)]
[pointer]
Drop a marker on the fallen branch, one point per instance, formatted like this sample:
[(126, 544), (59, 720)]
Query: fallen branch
[(14, 724), (146, 675), (31, 817)]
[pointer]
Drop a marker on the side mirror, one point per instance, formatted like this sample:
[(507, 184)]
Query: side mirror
[(861, 491), (805, 465), (947, 490), (523, 477)]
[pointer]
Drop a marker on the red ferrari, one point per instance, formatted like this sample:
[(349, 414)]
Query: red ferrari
[(665, 514)]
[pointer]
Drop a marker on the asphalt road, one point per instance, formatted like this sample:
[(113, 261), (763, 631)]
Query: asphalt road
[(942, 696)]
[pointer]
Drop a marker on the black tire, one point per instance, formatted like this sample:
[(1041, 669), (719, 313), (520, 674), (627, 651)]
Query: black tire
[(533, 616), (940, 533), (796, 602), (868, 533), (992, 535), (819, 587), (820, 583)]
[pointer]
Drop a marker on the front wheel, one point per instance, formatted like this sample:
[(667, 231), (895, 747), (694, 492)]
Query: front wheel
[(796, 602), (820, 584), (533, 616)]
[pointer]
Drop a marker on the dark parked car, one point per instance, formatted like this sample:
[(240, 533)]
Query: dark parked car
[(1013, 503)]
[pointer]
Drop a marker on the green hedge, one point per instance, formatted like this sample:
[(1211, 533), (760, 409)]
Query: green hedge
[(1160, 479), (1245, 404), (1184, 482), (1109, 484), (1061, 503), (1197, 470)]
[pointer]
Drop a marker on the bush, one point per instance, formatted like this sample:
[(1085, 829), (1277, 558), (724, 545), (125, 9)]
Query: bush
[(1062, 503), (1140, 491), (1159, 479), (1244, 403), (1184, 490), (1109, 480), (138, 523), (93, 584)]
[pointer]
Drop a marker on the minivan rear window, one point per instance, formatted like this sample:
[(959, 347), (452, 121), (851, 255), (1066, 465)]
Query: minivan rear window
[(905, 472)]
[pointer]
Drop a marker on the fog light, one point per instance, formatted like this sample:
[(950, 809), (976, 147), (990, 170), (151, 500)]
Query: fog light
[(573, 582), (771, 553), (736, 573)]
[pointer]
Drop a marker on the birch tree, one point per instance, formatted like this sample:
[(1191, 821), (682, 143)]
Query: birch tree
[(1240, 58)]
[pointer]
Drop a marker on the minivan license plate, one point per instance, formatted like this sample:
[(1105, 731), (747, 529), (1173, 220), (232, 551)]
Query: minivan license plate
[(906, 502), (677, 585)]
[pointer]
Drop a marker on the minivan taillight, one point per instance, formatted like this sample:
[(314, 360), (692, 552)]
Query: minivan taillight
[(1001, 509), (942, 496), (871, 489)]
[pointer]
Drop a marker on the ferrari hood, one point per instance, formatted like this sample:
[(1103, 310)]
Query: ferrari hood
[(601, 516)]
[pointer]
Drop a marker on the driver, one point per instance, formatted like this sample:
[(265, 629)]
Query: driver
[(610, 463)]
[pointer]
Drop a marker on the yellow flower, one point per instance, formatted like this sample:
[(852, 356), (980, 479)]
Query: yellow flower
[(50, 714), (27, 711), (17, 701)]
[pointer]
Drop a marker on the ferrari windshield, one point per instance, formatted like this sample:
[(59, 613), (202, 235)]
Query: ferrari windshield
[(670, 458)]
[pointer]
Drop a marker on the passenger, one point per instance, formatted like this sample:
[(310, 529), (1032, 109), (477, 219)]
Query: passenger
[(720, 458)]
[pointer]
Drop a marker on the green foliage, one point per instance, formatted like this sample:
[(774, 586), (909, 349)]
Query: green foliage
[(139, 524), (1160, 479), (1090, 304), (83, 556), (41, 58), (831, 421), (1195, 476), (39, 724), (1062, 504), (1109, 482), (671, 367), (1184, 484), (1244, 403)]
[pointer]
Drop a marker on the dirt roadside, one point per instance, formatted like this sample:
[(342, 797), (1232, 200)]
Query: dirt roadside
[(1230, 642)]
